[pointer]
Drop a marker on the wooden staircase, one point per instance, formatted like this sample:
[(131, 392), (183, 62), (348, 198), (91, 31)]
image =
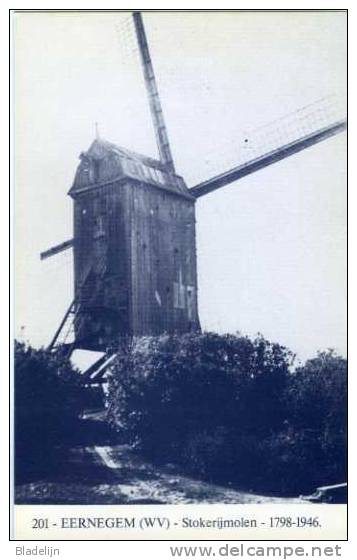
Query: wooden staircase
[(66, 337)]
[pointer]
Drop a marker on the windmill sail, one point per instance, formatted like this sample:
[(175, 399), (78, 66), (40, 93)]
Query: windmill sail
[(57, 249), (273, 156), (153, 94)]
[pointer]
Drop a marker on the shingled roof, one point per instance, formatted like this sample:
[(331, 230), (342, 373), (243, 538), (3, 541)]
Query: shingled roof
[(104, 163)]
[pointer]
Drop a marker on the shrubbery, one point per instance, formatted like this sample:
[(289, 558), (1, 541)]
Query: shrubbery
[(313, 444), (230, 408), (47, 404)]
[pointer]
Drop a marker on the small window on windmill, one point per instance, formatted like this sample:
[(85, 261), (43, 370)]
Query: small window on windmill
[(94, 171), (96, 165), (140, 171), (190, 301), (120, 161), (179, 296), (152, 174), (124, 165), (147, 173), (131, 167), (137, 169), (160, 177), (85, 166), (176, 295)]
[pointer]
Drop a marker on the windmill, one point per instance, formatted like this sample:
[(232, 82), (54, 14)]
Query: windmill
[(135, 268)]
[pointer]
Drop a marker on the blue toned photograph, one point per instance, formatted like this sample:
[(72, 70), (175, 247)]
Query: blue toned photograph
[(180, 257)]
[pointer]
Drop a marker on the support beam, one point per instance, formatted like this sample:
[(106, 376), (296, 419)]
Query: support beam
[(71, 309), (267, 159)]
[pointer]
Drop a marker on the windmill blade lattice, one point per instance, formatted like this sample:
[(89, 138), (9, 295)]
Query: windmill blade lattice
[(127, 44), (290, 127), (277, 135)]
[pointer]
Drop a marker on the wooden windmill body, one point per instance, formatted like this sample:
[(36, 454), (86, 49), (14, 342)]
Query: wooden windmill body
[(134, 233), (135, 250)]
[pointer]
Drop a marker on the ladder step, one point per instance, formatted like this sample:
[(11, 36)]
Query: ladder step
[(73, 320)]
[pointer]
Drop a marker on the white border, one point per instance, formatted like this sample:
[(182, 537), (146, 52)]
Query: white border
[(159, 549)]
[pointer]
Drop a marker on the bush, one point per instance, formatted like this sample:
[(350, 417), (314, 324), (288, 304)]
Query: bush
[(229, 408), (316, 433), (316, 396), (200, 399), (47, 405)]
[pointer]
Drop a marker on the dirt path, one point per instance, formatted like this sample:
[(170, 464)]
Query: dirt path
[(114, 475)]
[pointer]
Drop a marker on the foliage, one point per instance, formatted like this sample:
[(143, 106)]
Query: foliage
[(47, 404), (317, 394), (230, 408), (313, 444), (192, 398)]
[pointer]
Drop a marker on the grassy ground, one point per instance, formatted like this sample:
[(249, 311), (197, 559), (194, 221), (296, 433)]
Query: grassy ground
[(95, 471), (114, 475)]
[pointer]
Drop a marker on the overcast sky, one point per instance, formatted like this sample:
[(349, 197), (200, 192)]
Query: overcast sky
[(271, 247)]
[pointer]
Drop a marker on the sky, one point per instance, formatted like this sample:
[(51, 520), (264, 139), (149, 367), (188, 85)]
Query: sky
[(271, 247)]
